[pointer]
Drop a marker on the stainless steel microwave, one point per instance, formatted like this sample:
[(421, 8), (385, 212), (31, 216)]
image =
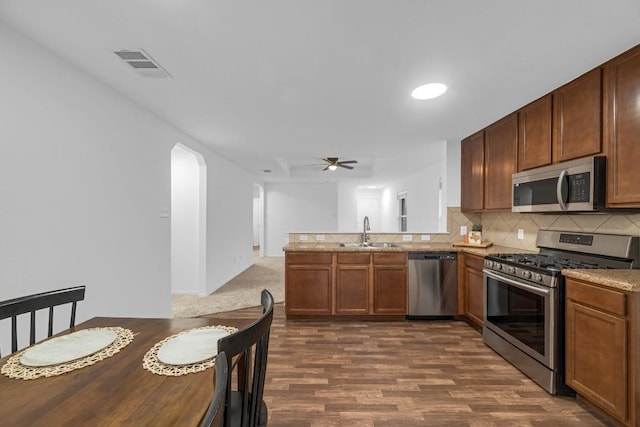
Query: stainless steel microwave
[(574, 186)]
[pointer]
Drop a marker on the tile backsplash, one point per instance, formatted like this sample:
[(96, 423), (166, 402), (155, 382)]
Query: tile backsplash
[(501, 228)]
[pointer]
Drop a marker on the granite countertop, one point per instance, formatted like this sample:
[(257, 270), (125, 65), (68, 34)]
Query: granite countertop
[(626, 280), (404, 247)]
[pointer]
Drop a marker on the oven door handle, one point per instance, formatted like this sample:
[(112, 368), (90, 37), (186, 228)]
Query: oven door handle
[(531, 288)]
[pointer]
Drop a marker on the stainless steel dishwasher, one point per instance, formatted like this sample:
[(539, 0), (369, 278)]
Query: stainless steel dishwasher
[(433, 285)]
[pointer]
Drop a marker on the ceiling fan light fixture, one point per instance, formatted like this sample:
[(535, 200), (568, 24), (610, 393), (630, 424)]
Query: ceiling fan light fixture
[(428, 91), (332, 167)]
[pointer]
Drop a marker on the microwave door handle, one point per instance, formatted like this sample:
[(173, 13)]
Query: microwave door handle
[(562, 190)]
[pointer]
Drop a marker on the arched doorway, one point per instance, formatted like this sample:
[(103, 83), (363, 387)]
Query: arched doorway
[(188, 221)]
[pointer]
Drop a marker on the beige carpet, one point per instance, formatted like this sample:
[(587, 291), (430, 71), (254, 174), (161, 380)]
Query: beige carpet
[(240, 292)]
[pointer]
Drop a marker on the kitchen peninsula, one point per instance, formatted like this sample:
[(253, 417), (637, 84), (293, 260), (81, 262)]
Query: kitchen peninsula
[(346, 281)]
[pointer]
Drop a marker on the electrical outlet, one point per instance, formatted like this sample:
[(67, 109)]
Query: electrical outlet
[(520, 234), (425, 237), (463, 230), (407, 237), (304, 237), (320, 237)]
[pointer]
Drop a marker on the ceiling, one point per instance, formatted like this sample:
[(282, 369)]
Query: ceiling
[(279, 84)]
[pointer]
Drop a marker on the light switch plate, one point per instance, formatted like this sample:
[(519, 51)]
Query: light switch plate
[(463, 230), (319, 237), (520, 234), (425, 237), (304, 237), (407, 237)]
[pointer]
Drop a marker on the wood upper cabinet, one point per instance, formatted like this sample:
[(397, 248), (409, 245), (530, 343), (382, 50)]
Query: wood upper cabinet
[(389, 291), (500, 162), (622, 129), (577, 117), (308, 282), (473, 289), (472, 172), (534, 134), (352, 283), (597, 348)]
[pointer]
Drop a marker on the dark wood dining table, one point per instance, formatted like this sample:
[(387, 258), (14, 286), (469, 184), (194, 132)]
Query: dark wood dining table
[(116, 391)]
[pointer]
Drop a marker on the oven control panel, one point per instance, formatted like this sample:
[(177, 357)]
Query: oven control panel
[(496, 267), (576, 239)]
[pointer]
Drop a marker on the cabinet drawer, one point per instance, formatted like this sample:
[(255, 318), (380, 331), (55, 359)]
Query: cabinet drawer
[(353, 258), (474, 262), (308, 258), (604, 299), (390, 258)]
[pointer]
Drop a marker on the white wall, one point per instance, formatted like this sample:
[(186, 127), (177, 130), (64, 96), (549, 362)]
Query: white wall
[(188, 216), (305, 207), (84, 174), (452, 183)]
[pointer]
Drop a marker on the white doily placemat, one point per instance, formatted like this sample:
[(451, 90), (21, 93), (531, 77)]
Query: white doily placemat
[(201, 353), (14, 369)]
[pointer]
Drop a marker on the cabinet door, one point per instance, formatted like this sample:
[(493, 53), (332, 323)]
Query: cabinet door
[(308, 289), (352, 289), (472, 173), (577, 117), (596, 357), (534, 134), (389, 289), (500, 161), (474, 295), (622, 129)]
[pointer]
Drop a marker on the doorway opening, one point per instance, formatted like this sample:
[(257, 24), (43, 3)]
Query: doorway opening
[(188, 221), (258, 221)]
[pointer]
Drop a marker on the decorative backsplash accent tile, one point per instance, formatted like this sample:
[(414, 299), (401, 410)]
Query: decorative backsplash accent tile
[(501, 228)]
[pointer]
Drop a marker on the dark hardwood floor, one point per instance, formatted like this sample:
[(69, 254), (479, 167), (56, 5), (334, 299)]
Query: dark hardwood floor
[(436, 373)]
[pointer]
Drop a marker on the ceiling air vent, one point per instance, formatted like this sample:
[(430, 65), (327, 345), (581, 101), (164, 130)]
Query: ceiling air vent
[(143, 63)]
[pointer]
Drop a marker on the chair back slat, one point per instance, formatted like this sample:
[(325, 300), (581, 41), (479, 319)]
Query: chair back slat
[(214, 417), (250, 345), (32, 303)]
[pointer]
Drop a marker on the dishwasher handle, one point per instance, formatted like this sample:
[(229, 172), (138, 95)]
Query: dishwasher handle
[(433, 256)]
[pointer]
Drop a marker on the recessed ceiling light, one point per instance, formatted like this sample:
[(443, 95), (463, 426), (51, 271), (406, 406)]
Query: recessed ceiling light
[(429, 91)]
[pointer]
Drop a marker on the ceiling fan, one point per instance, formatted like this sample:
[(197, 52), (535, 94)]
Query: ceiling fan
[(332, 164)]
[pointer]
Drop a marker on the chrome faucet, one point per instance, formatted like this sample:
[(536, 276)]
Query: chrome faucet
[(365, 228)]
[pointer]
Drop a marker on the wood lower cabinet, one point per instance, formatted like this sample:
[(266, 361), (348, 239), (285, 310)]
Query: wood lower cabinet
[(346, 284), (622, 129), (389, 293), (500, 162), (473, 289), (534, 134), (577, 118), (308, 283), (352, 283), (600, 354)]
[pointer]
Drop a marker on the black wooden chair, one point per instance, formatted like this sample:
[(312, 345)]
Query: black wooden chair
[(215, 413), (30, 304), (244, 407)]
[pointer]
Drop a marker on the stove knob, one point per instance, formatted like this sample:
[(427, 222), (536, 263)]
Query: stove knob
[(489, 264), (539, 277), (512, 270), (498, 266), (526, 274)]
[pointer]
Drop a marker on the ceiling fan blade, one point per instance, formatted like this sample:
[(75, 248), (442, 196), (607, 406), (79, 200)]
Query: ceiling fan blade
[(348, 161), (326, 168), (344, 166)]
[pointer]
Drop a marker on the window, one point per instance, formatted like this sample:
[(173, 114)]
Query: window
[(402, 210)]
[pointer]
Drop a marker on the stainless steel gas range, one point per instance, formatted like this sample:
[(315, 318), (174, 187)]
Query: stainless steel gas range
[(524, 298)]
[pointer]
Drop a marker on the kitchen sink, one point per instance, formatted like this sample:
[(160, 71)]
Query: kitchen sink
[(368, 245)]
